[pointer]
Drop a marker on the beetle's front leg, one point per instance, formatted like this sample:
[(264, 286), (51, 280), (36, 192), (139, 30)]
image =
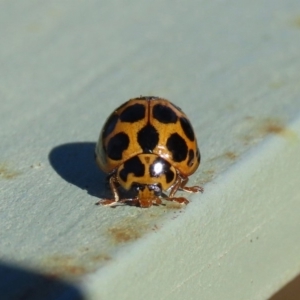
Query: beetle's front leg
[(113, 186), (180, 184), (113, 182), (190, 189)]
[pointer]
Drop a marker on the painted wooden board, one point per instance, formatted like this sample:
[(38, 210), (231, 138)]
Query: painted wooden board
[(234, 69)]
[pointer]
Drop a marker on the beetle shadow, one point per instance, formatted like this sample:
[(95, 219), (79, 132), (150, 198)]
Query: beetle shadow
[(75, 163), (20, 283)]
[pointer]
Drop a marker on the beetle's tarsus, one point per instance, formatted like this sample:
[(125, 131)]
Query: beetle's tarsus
[(180, 200), (193, 189)]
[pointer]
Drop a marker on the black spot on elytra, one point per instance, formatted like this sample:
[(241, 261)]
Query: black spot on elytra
[(147, 138), (177, 146), (190, 161), (116, 145), (110, 125), (133, 113), (187, 128), (164, 114), (134, 166)]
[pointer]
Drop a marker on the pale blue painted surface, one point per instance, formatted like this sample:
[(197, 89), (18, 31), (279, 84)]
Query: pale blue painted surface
[(234, 69)]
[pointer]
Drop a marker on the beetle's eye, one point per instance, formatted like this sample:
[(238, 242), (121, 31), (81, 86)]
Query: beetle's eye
[(138, 186), (156, 188)]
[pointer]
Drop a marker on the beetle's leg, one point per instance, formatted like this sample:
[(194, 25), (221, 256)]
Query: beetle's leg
[(191, 189), (174, 189), (112, 202), (180, 184), (113, 181)]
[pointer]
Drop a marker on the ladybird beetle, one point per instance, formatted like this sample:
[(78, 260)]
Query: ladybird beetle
[(148, 146)]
